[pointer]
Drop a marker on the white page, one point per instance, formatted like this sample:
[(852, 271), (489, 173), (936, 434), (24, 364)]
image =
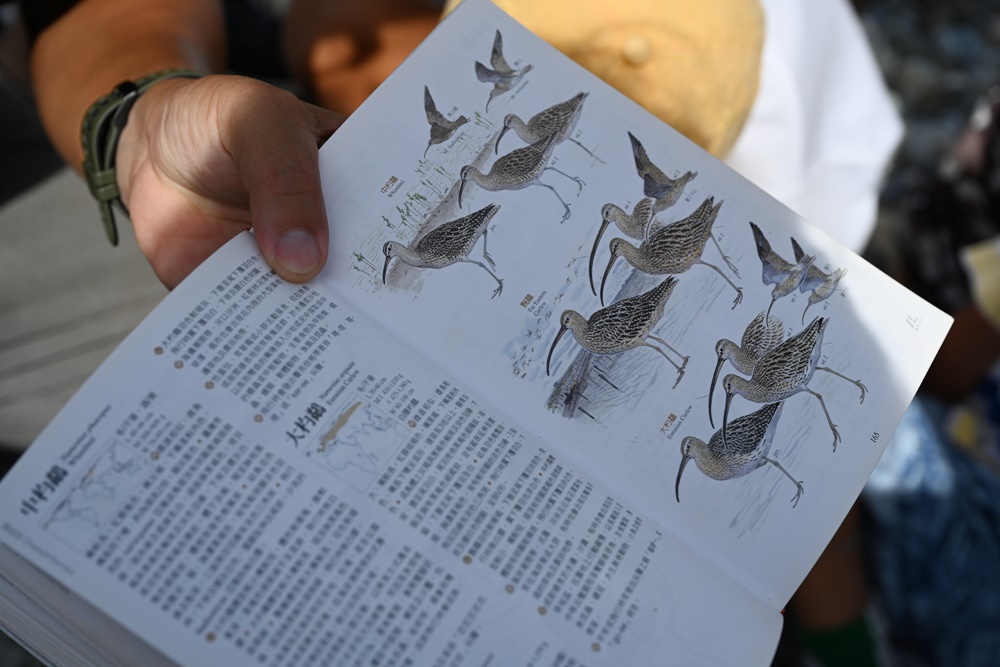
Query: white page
[(373, 509), (629, 428)]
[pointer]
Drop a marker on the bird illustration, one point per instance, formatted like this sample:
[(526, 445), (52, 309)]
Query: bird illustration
[(447, 244), (441, 127), (622, 326), (664, 190), (632, 224), (559, 119), (517, 170), (745, 450), (763, 334), (502, 76), (776, 270), (785, 371), (820, 284), (674, 248)]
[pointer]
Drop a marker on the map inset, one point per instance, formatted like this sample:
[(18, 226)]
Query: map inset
[(91, 501), (357, 441)]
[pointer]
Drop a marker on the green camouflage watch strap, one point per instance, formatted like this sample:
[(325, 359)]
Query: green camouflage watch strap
[(102, 127)]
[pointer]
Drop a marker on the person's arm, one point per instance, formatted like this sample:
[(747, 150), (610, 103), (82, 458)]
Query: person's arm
[(200, 159)]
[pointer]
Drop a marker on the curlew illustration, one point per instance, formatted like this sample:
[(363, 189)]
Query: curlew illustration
[(559, 119), (776, 270), (502, 76), (517, 170), (622, 326), (441, 127), (448, 244), (763, 334), (820, 284), (746, 449), (663, 189), (632, 224), (674, 248), (785, 371)]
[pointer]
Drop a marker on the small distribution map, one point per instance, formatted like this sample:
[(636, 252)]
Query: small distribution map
[(92, 500), (357, 441)]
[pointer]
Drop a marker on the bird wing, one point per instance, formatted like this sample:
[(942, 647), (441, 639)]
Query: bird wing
[(814, 278), (684, 238), (457, 236), (744, 435), (434, 117), (525, 163), (632, 318), (786, 364), (558, 118), (496, 56), (797, 249), (761, 337), (644, 167), (486, 75), (774, 268)]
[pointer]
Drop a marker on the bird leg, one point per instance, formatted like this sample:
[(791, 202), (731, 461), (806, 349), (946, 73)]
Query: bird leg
[(680, 369), (486, 255), (798, 485), (725, 257), (499, 288), (579, 181), (546, 185), (672, 349), (856, 383), (833, 427), (739, 292)]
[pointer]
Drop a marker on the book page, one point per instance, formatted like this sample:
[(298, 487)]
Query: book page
[(614, 288), (261, 475)]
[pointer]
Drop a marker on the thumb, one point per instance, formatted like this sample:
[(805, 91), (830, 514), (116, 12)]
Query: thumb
[(274, 139)]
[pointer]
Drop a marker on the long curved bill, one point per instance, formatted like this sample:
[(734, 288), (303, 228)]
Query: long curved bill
[(611, 262), (460, 189), (593, 253), (725, 419), (548, 361), (711, 389), (385, 268), (804, 313), (680, 471), (496, 146)]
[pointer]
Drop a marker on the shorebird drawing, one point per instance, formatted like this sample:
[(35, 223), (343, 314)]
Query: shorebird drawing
[(624, 325), (502, 76), (559, 119), (785, 371), (517, 170), (448, 244), (632, 224), (820, 284), (763, 334), (674, 248), (663, 189), (441, 127), (776, 270), (745, 450)]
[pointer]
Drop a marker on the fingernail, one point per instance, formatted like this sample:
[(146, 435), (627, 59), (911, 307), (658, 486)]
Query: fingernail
[(297, 251)]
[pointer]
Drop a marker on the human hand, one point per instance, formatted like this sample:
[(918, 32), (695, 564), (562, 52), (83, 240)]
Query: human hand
[(202, 159)]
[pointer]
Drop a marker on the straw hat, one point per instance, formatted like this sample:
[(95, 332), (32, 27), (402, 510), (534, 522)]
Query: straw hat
[(695, 65)]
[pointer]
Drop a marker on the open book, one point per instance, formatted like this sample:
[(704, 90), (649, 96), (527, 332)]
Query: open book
[(482, 436)]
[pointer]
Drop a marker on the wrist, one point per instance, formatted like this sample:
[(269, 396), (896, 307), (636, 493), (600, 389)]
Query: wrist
[(103, 126)]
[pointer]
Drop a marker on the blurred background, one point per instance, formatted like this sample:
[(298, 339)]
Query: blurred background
[(940, 59)]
